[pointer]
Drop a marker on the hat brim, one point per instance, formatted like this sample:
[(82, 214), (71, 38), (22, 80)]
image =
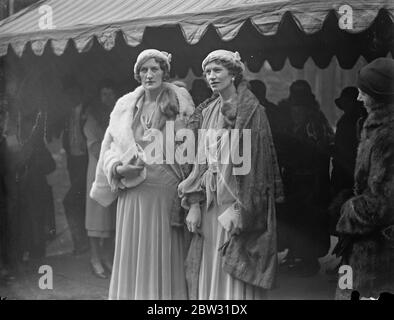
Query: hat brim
[(339, 103)]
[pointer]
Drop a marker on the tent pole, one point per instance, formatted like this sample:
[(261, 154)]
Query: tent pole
[(11, 7), (3, 11)]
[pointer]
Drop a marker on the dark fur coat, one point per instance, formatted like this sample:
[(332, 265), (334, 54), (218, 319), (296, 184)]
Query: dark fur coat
[(366, 225), (250, 256)]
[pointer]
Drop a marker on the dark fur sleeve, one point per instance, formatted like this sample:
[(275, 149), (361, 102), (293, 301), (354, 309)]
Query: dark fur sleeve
[(373, 208), (194, 123), (195, 120)]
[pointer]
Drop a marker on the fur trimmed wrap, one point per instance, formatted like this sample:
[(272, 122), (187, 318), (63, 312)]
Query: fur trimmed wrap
[(250, 256), (119, 144)]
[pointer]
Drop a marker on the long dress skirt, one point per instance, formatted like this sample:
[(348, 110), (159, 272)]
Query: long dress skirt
[(149, 252), (214, 282)]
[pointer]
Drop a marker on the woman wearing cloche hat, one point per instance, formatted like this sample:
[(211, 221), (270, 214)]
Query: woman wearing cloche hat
[(232, 214), (366, 225), (148, 260)]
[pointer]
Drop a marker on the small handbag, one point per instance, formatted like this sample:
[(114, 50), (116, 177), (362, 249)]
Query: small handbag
[(135, 155)]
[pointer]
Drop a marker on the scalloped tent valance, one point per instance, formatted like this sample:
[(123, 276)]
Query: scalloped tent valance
[(54, 23), (97, 39)]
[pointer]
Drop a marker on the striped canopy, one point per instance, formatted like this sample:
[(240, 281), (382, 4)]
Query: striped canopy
[(54, 23)]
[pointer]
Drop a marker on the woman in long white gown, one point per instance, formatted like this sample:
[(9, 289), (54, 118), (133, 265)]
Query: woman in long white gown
[(149, 248), (233, 253)]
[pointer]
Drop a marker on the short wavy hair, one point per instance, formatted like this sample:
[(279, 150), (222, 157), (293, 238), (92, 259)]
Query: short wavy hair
[(235, 70), (163, 66)]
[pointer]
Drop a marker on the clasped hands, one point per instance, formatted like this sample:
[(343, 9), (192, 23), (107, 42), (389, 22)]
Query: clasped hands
[(130, 171)]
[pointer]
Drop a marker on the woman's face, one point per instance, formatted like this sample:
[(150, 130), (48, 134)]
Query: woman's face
[(218, 77), (366, 99), (151, 75), (107, 96)]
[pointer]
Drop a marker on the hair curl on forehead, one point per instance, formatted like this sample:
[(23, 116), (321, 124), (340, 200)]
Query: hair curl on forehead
[(233, 69), (163, 66)]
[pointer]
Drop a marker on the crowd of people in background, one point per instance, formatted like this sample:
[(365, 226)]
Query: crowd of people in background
[(27, 203), (328, 189), (28, 214)]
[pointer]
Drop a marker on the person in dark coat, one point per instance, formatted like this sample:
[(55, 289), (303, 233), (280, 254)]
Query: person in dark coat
[(200, 91), (303, 226), (4, 196), (34, 193), (100, 220), (10, 161), (366, 223), (27, 199), (259, 89), (3, 186), (346, 140), (347, 137)]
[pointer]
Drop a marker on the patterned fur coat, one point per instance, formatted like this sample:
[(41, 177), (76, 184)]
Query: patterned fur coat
[(252, 255), (366, 225)]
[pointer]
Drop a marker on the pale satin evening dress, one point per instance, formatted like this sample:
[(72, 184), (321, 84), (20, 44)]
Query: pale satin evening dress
[(219, 184), (149, 251)]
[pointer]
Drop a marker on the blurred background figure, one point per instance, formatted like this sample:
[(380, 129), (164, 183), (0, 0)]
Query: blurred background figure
[(74, 143), (100, 221), (346, 139), (11, 164), (5, 264), (259, 89), (303, 226), (200, 91), (3, 188), (35, 194)]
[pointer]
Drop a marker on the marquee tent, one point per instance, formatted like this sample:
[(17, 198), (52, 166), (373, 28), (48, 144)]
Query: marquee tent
[(261, 29), (279, 40), (101, 38)]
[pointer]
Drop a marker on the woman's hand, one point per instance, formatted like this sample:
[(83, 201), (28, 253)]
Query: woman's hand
[(193, 219), (231, 221), (129, 171)]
